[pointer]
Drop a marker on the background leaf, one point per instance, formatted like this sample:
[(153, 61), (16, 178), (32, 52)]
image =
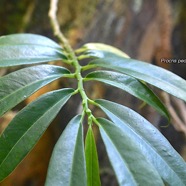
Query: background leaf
[(151, 74), (27, 127), (130, 85), (67, 164), (19, 49), (18, 85), (96, 50), (150, 141), (130, 165), (93, 177)]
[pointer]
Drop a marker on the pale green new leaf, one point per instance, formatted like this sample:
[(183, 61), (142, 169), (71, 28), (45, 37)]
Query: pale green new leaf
[(151, 142), (149, 73), (18, 85), (96, 50), (130, 165), (19, 49), (67, 165), (93, 177), (26, 128), (130, 85)]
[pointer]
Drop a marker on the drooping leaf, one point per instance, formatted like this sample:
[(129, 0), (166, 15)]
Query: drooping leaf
[(19, 49), (26, 128), (130, 165), (67, 164), (93, 177), (152, 143), (18, 85), (149, 73), (130, 85)]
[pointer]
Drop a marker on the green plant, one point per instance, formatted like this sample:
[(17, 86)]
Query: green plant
[(139, 154)]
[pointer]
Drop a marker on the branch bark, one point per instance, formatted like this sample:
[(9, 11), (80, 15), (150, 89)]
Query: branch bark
[(55, 25), (178, 123)]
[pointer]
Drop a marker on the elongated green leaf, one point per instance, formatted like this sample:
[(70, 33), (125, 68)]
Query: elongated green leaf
[(27, 127), (151, 74), (27, 54), (93, 177), (130, 165), (17, 86), (131, 85), (96, 50), (19, 49), (28, 39), (67, 164), (151, 142)]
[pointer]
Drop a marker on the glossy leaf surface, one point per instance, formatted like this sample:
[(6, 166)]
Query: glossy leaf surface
[(18, 85), (67, 164), (28, 39), (130, 165), (149, 73), (93, 177), (130, 85), (150, 141), (26, 128), (22, 49)]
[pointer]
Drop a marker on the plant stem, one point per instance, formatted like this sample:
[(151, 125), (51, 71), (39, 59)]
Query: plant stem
[(71, 56), (56, 28)]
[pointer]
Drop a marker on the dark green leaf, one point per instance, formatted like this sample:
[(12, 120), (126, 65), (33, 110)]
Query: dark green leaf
[(151, 142), (67, 164), (151, 74), (17, 86), (26, 128), (27, 54), (157, 76), (22, 49), (28, 39), (131, 85), (130, 165), (93, 177)]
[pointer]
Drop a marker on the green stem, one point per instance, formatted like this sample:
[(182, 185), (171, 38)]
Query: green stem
[(71, 57), (81, 89), (87, 67)]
